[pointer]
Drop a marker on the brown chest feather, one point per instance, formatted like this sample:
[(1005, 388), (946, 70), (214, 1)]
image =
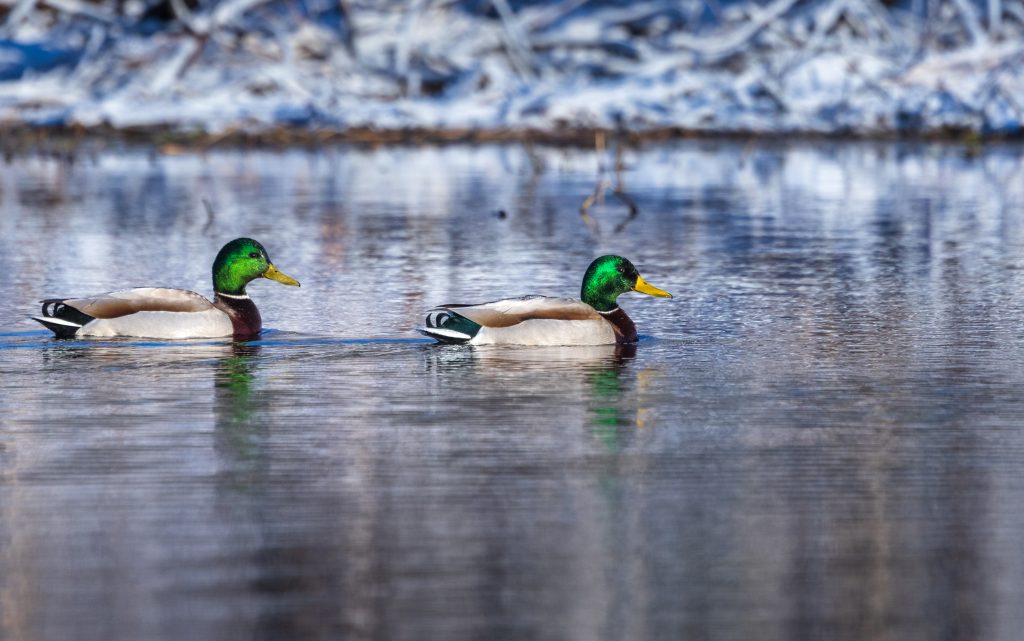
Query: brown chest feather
[(625, 330), (245, 318)]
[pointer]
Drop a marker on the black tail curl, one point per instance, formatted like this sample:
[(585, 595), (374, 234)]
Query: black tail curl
[(56, 308)]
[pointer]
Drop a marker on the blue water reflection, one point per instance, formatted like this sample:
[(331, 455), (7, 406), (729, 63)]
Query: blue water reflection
[(819, 437)]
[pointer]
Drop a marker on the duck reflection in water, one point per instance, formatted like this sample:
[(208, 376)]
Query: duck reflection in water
[(612, 393), (613, 400), (240, 411), (522, 378)]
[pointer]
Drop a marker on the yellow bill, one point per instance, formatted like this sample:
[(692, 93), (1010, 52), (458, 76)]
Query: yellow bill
[(644, 287), (280, 277)]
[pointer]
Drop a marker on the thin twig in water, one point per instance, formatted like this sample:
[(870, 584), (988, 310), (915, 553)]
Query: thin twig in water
[(537, 165), (603, 185), (210, 215), (589, 201), (620, 190), (634, 211)]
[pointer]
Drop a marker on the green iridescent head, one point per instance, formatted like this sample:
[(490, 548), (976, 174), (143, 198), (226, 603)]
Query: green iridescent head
[(241, 261), (609, 276)]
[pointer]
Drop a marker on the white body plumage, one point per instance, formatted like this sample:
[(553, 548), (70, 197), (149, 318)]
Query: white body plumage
[(544, 331), (531, 320), (146, 312)]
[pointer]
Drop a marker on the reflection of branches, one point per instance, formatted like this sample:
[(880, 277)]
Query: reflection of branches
[(211, 214), (589, 202), (619, 190), (631, 204)]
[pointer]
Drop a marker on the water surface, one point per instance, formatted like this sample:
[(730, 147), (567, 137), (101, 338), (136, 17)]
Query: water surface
[(819, 437)]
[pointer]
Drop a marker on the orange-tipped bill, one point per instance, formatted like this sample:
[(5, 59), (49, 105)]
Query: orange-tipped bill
[(280, 277), (644, 287)]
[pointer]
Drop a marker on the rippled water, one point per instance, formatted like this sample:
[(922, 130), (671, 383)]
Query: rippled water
[(819, 437)]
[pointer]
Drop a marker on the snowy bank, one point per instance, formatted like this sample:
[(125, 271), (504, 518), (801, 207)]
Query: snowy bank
[(788, 66)]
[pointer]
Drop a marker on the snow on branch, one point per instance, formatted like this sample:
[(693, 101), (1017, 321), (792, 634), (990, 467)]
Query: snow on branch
[(719, 46), (761, 66)]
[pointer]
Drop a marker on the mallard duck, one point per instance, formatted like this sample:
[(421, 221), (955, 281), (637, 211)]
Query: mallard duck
[(159, 312), (597, 319)]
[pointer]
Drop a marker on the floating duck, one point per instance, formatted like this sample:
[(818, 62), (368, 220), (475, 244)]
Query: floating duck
[(597, 319), (160, 312)]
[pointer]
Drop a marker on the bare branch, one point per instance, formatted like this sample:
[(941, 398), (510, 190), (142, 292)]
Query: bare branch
[(516, 42), (553, 14), (723, 45), (404, 47), (995, 18), (969, 16), (228, 12), (590, 201), (75, 7), (19, 13)]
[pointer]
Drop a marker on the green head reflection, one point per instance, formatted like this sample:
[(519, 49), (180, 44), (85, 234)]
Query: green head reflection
[(241, 409), (610, 407)]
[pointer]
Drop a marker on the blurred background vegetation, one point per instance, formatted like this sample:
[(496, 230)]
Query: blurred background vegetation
[(495, 68)]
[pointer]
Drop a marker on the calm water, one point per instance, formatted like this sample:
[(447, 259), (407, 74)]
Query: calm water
[(819, 437)]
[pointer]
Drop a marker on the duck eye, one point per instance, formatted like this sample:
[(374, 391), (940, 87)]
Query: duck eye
[(254, 255)]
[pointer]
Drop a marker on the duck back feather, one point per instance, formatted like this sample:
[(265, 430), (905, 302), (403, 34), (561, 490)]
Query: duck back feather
[(529, 320)]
